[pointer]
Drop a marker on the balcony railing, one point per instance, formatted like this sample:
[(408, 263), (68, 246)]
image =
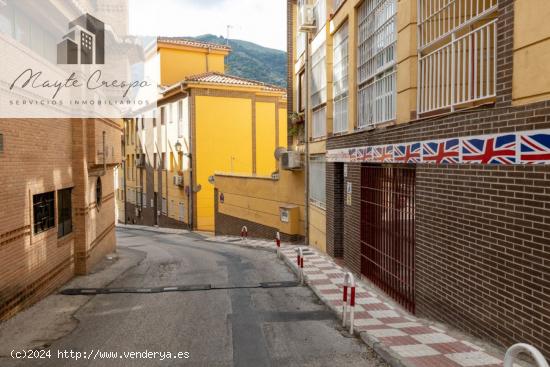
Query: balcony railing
[(460, 72), (438, 19)]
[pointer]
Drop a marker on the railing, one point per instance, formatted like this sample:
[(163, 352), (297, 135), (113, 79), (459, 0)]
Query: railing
[(340, 121), (376, 101), (319, 123), (438, 19), (461, 72)]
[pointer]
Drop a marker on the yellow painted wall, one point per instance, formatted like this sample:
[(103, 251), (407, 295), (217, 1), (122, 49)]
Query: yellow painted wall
[(283, 128), (317, 228), (223, 143), (407, 59), (176, 63), (531, 76), (265, 138), (259, 199)]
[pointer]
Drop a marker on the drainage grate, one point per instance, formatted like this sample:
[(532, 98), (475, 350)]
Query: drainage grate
[(178, 288)]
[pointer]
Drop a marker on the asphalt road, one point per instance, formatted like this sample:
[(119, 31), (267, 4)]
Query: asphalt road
[(220, 327)]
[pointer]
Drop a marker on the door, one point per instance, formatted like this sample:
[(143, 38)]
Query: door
[(387, 229)]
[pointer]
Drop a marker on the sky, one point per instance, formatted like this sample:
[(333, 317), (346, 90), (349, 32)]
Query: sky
[(259, 21)]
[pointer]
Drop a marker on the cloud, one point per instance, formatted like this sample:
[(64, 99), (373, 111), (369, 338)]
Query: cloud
[(258, 21)]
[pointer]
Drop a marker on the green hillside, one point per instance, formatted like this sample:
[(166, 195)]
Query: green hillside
[(252, 61)]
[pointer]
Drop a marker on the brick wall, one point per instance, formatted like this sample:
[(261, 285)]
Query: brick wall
[(43, 155), (482, 232), (335, 217)]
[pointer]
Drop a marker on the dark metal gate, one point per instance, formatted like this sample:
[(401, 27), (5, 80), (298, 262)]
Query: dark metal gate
[(387, 229)]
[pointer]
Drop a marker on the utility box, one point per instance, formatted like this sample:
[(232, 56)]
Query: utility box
[(289, 219)]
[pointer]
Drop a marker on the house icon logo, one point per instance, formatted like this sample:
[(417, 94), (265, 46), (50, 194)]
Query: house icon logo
[(85, 42)]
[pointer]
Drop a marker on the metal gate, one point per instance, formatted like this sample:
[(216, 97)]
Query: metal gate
[(387, 229)]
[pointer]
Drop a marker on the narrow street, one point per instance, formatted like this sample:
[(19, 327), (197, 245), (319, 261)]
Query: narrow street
[(219, 327)]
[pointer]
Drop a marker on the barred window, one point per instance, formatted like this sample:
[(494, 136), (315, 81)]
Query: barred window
[(318, 76), (43, 207), (301, 37), (317, 184), (340, 79), (320, 11), (64, 212), (376, 62), (319, 123)]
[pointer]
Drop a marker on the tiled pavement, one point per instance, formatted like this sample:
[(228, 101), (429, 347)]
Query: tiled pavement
[(403, 339)]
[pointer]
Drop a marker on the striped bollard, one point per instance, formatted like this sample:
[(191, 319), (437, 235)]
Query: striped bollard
[(300, 263), (349, 282), (278, 243)]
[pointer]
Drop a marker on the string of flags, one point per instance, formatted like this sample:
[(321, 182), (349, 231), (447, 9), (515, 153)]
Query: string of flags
[(527, 147)]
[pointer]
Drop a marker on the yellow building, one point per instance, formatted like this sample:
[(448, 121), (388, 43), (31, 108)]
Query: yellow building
[(207, 122)]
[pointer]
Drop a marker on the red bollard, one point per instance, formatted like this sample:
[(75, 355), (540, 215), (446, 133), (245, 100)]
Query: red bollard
[(348, 282), (244, 233)]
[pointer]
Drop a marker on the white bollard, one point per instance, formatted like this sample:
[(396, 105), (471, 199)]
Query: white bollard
[(278, 243), (244, 233), (349, 282), (516, 349)]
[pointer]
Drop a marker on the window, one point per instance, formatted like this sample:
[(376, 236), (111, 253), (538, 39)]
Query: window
[(154, 122), (340, 80), (162, 115), (301, 37), (376, 59), (302, 91), (317, 174), (320, 11), (98, 193), (457, 42), (142, 123), (64, 213), (319, 123), (181, 117), (155, 160), (43, 207), (318, 77), (163, 160)]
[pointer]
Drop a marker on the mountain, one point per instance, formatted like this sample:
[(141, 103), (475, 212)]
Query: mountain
[(252, 61)]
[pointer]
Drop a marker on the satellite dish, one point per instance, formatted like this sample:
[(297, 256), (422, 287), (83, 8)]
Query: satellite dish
[(278, 152)]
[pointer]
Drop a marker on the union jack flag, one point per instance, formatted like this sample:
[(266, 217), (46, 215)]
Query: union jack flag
[(535, 147), (382, 153), (444, 151), (490, 149), (407, 153)]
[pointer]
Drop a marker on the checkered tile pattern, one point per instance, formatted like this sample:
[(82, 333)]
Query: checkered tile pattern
[(413, 342)]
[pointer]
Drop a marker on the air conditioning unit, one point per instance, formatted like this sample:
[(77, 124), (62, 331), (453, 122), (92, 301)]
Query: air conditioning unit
[(178, 180), (306, 18), (291, 160)]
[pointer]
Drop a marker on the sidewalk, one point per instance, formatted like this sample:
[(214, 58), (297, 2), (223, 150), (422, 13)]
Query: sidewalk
[(400, 338)]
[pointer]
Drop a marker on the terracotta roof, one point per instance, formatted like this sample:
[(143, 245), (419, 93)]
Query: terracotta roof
[(192, 43), (224, 79)]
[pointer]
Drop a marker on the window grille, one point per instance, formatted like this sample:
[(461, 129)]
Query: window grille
[(340, 80), (377, 34), (43, 206), (457, 42), (318, 76), (319, 123), (317, 184)]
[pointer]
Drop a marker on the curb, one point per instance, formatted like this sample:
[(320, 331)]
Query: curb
[(385, 353)]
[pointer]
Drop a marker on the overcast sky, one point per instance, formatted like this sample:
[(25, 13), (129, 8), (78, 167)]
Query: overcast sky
[(259, 21)]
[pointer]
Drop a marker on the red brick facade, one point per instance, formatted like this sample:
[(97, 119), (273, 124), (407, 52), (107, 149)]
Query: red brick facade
[(482, 231)]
